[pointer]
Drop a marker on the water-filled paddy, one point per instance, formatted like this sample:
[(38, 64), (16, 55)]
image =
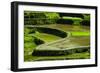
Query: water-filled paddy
[(79, 35), (46, 37)]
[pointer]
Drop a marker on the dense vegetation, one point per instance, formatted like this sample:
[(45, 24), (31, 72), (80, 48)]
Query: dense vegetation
[(40, 18), (43, 18)]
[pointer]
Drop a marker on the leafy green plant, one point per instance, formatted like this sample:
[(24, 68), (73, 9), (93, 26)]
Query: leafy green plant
[(86, 20)]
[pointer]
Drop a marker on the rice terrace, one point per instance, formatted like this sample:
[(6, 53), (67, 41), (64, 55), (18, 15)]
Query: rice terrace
[(56, 36)]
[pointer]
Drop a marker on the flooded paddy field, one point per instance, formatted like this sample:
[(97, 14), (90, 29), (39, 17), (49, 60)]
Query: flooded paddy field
[(78, 37)]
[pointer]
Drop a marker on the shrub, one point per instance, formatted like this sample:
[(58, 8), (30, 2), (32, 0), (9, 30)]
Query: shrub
[(64, 21), (71, 15), (28, 39), (26, 31), (38, 41), (40, 18), (86, 20)]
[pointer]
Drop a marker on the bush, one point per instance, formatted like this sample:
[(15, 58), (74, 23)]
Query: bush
[(28, 39), (64, 21), (86, 17), (29, 45), (71, 15), (86, 20), (26, 31), (38, 41), (40, 18)]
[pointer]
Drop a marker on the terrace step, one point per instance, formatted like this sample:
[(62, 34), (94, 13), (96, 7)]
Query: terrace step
[(64, 46)]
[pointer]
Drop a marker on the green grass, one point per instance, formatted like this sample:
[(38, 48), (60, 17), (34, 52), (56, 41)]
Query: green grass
[(77, 33), (73, 18)]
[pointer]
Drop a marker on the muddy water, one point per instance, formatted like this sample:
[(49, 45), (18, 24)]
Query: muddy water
[(67, 27), (72, 41)]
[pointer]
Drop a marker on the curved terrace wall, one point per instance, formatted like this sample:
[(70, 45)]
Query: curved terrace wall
[(55, 52), (61, 52), (49, 31)]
